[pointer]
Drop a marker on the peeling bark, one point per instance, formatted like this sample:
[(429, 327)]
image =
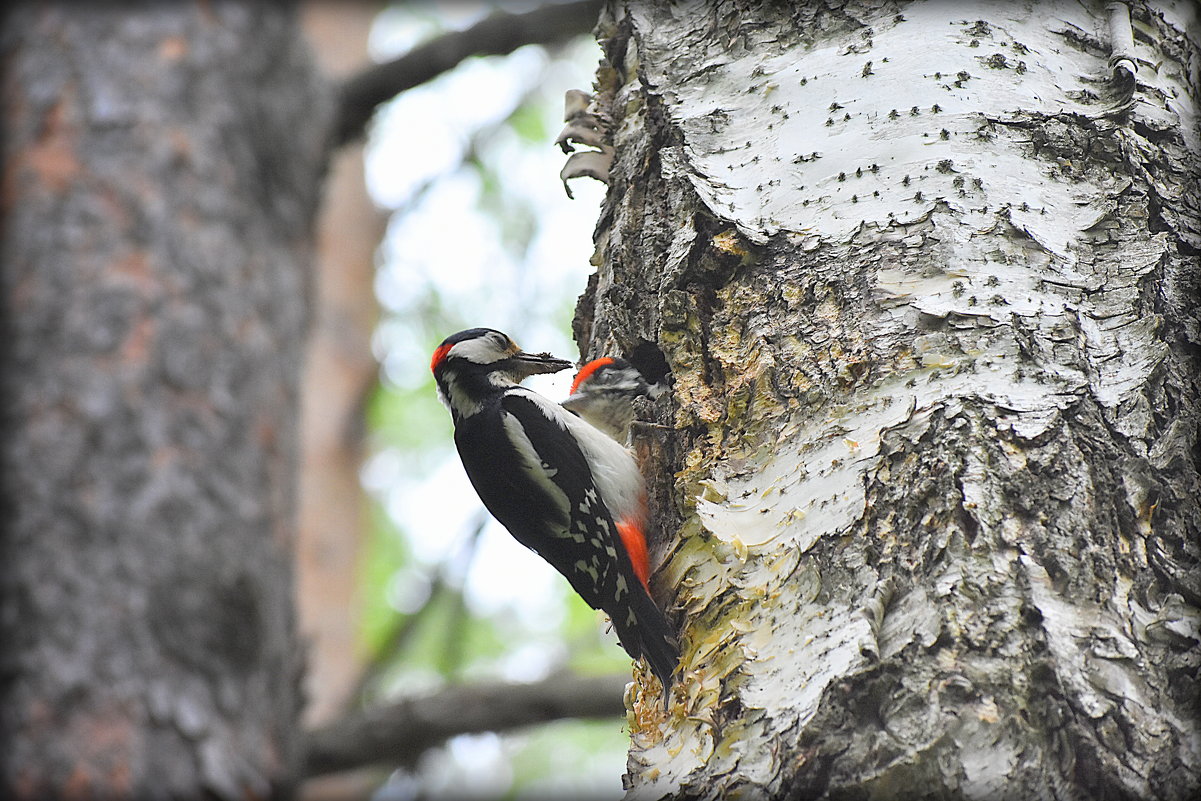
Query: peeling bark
[(161, 164), (926, 279)]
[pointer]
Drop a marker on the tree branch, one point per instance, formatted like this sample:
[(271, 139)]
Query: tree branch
[(400, 732), (500, 33)]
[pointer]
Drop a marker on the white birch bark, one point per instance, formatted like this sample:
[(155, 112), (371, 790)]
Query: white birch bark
[(926, 278)]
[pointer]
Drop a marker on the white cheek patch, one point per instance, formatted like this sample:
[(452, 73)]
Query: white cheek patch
[(480, 350), (458, 399), (621, 384)]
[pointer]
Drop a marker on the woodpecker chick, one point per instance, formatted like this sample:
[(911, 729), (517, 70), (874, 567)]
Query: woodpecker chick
[(561, 487), (604, 391)]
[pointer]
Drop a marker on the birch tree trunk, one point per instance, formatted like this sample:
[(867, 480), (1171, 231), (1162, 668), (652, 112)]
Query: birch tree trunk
[(926, 280), (161, 164)]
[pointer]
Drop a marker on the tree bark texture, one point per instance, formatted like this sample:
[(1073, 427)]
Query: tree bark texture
[(161, 163), (925, 276)]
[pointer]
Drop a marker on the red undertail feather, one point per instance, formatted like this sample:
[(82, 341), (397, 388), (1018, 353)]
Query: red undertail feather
[(635, 542)]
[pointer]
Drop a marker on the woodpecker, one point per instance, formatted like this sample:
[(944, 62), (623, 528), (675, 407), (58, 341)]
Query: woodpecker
[(604, 391), (560, 486)]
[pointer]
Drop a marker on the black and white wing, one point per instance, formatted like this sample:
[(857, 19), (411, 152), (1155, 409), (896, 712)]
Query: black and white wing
[(532, 476)]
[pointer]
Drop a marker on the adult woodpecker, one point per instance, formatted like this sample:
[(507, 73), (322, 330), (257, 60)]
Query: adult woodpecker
[(604, 391), (561, 487)]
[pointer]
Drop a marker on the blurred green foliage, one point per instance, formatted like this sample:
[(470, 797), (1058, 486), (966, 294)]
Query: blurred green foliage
[(506, 201)]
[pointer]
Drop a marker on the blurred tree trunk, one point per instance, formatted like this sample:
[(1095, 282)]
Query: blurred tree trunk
[(161, 166), (339, 371), (927, 287)]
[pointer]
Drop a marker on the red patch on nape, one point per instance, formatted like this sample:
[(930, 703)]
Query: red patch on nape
[(440, 355), (586, 372), (635, 542)]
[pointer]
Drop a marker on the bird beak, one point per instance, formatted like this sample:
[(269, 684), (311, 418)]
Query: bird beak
[(527, 364), (575, 403)]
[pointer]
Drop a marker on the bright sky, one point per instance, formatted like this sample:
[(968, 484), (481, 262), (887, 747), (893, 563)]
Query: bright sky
[(444, 238)]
